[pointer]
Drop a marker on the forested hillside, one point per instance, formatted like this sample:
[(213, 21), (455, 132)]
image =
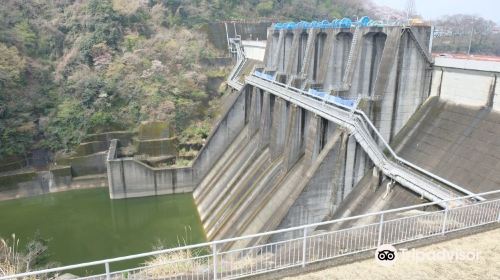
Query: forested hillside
[(454, 34), (74, 67), (69, 68)]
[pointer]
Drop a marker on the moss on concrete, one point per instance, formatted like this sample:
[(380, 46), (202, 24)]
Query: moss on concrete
[(61, 170), (125, 137), (9, 182), (155, 130), (91, 148), (158, 147), (85, 165)]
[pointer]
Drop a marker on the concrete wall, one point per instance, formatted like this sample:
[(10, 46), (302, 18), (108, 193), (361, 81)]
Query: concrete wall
[(31, 183), (157, 147), (85, 165), (254, 49), (132, 178), (284, 168), (128, 177), (222, 135), (217, 34), (466, 86), (470, 63), (125, 137), (384, 66)]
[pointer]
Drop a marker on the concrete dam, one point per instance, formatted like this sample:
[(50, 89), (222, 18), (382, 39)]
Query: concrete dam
[(333, 122)]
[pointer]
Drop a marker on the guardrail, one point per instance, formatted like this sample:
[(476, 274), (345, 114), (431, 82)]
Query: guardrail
[(241, 59), (361, 117), (238, 257)]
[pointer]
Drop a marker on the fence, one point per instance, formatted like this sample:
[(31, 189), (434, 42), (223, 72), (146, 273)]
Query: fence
[(262, 253)]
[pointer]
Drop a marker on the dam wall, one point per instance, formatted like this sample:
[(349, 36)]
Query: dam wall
[(286, 163), (388, 68), (270, 162)]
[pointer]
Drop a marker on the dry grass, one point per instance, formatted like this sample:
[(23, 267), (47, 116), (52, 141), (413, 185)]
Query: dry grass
[(175, 263), (12, 260), (485, 266)]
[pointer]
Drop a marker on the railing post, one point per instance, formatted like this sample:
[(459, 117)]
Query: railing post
[(106, 266), (304, 243), (445, 218), (214, 257), (498, 219), (380, 225)]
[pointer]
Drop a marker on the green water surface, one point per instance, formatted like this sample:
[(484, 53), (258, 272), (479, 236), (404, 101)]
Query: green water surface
[(85, 225)]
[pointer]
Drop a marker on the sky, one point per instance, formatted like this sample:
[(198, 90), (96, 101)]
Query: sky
[(432, 9)]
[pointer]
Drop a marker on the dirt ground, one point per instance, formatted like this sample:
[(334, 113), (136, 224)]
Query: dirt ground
[(471, 257)]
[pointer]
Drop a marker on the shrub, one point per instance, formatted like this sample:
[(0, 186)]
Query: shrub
[(265, 8)]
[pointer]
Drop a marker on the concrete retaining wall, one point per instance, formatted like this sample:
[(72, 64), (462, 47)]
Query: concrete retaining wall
[(31, 183), (466, 86), (132, 178), (125, 137), (91, 147), (128, 177), (157, 147), (255, 49), (86, 165), (247, 30)]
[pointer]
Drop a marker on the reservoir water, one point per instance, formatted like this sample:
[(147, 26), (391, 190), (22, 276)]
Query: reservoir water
[(85, 225)]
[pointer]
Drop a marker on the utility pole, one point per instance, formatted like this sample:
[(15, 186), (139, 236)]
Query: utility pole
[(470, 39)]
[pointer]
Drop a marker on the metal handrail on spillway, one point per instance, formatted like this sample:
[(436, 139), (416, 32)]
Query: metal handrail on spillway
[(357, 122), (241, 59)]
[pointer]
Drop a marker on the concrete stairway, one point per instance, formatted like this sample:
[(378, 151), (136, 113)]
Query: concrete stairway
[(352, 59)]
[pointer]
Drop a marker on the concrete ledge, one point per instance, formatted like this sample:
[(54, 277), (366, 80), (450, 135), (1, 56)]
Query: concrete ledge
[(57, 179), (85, 165)]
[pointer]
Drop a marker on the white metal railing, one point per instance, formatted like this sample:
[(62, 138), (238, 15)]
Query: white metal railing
[(241, 59), (361, 118), (298, 246)]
